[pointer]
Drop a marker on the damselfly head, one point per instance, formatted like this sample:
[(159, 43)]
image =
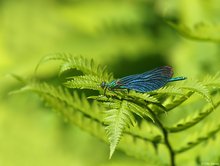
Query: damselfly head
[(103, 84)]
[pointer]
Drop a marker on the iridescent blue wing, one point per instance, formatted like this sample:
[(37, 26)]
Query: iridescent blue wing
[(148, 81)]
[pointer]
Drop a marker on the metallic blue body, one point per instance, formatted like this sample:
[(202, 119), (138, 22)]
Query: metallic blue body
[(145, 82)]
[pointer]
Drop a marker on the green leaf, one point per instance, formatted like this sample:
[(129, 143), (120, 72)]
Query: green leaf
[(50, 57), (18, 78), (212, 81), (143, 96), (117, 120), (86, 66), (79, 63), (169, 90), (198, 137), (84, 82), (173, 102), (72, 100), (200, 31), (191, 120), (146, 131), (140, 111), (197, 87)]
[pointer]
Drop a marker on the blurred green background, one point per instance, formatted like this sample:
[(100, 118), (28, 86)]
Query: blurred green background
[(129, 36)]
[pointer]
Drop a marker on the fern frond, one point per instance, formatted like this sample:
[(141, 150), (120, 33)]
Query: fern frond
[(199, 137), (96, 128), (80, 63), (172, 103), (50, 57), (117, 120), (86, 66), (80, 116), (143, 96), (169, 90), (115, 113), (84, 82), (101, 98), (146, 131), (140, 111), (112, 105), (192, 120), (157, 108), (200, 31), (212, 81), (143, 150), (72, 100), (108, 102), (131, 106), (86, 115), (18, 78), (197, 87)]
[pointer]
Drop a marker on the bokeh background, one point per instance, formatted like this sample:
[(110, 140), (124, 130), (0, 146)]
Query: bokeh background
[(128, 36)]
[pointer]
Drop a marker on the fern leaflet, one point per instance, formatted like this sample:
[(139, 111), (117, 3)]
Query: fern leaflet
[(191, 120), (199, 137), (117, 120)]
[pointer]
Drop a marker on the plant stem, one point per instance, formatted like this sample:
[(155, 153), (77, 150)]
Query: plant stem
[(166, 140)]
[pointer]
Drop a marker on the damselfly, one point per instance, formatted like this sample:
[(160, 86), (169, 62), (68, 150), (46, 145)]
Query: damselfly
[(145, 82)]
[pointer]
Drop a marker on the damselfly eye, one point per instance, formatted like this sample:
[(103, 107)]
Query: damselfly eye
[(103, 84)]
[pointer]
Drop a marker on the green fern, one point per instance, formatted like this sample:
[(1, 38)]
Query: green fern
[(122, 117), (144, 96), (117, 120), (169, 90), (199, 31), (197, 87), (172, 102), (140, 111), (213, 81), (79, 63), (192, 120), (198, 137), (64, 96), (84, 82)]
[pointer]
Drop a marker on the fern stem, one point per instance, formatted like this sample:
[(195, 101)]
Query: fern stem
[(165, 134)]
